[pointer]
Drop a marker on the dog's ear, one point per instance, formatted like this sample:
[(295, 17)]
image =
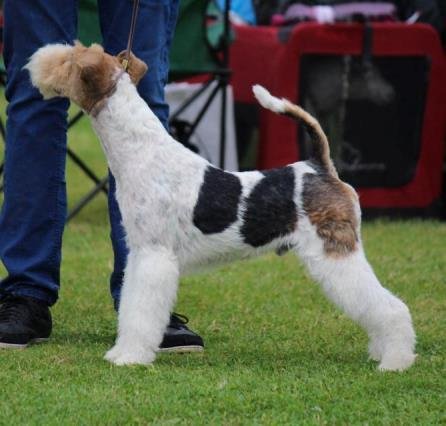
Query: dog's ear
[(136, 68), (89, 63), (94, 71), (89, 75)]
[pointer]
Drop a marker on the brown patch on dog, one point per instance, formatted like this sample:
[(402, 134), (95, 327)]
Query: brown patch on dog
[(329, 204), (136, 68), (96, 76)]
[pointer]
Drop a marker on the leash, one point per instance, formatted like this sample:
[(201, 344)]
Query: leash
[(92, 109), (125, 61)]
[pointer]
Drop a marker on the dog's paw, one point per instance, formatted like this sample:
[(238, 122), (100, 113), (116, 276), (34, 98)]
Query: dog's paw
[(125, 357), (396, 361)]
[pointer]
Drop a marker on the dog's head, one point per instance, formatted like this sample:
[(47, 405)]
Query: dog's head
[(86, 75)]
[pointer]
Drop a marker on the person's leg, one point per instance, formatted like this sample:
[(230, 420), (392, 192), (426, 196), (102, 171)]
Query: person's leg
[(34, 208), (154, 31)]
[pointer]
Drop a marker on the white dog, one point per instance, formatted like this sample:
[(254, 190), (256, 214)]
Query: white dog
[(181, 213)]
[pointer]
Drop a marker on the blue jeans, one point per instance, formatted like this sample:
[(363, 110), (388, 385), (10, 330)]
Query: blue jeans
[(34, 210)]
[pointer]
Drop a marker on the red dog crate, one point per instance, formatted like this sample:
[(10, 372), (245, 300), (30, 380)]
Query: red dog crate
[(402, 137)]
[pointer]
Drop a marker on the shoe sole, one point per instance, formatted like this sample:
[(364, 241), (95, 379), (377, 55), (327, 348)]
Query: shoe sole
[(182, 349), (22, 346), (176, 349)]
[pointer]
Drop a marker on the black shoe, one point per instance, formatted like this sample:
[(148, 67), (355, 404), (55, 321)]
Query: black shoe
[(178, 338), (23, 320)]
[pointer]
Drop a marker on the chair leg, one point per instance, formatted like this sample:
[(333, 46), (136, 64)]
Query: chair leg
[(189, 101), (102, 186), (75, 119), (202, 111), (76, 159), (2, 131), (222, 87)]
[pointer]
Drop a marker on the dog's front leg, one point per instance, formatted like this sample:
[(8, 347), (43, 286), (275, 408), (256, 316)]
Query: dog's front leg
[(148, 295)]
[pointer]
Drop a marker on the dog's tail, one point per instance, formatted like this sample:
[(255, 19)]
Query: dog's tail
[(321, 149)]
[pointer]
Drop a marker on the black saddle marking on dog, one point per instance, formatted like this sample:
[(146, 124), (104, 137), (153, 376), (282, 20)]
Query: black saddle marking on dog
[(270, 208), (218, 201)]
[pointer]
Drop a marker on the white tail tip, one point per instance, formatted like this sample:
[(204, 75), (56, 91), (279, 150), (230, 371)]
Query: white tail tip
[(267, 100)]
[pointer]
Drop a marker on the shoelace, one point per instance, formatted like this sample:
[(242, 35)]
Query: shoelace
[(178, 321)]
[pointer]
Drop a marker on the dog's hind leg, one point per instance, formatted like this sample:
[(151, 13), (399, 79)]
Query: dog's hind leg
[(351, 284), (148, 296)]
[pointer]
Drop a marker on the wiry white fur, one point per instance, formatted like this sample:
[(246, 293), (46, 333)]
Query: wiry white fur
[(158, 182), (351, 284), (267, 100), (148, 296)]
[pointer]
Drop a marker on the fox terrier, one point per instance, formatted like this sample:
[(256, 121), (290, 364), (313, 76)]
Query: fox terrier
[(181, 213)]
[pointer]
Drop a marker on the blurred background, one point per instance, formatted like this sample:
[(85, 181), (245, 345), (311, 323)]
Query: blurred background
[(373, 73)]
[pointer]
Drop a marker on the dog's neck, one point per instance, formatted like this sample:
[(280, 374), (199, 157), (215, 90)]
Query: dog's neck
[(127, 128), (97, 102)]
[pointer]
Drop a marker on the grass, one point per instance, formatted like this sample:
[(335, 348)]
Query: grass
[(276, 351)]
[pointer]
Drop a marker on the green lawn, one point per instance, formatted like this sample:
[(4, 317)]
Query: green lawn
[(276, 351)]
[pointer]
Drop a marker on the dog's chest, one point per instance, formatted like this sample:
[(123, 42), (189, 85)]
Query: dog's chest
[(266, 212)]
